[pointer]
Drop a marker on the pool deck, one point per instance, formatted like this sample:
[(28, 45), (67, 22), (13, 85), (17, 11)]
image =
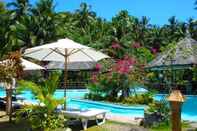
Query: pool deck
[(124, 119)]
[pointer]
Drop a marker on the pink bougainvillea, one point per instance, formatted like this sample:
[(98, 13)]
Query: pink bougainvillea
[(154, 50), (115, 45), (98, 67), (124, 65), (136, 45), (94, 78)]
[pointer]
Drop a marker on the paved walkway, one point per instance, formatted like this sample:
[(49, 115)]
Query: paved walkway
[(193, 124), (124, 119), (123, 127)]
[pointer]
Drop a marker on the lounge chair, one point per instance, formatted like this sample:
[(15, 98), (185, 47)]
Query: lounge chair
[(85, 115), (16, 103)]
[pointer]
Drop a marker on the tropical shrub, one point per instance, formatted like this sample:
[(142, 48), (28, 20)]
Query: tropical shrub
[(159, 106), (117, 81), (157, 113), (42, 117), (144, 99)]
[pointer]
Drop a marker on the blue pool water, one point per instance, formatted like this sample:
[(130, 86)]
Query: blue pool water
[(189, 107), (189, 110), (58, 94), (132, 111)]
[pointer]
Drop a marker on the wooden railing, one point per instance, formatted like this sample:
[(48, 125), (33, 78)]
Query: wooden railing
[(186, 88)]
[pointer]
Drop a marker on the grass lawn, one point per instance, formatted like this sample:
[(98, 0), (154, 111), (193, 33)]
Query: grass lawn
[(165, 127), (108, 126), (116, 126)]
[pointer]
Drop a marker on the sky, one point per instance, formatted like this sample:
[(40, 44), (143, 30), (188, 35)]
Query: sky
[(158, 11)]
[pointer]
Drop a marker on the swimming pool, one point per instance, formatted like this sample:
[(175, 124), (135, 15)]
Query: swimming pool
[(189, 110), (189, 107), (132, 111), (77, 94)]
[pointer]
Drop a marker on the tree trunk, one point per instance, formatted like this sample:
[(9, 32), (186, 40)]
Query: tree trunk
[(9, 88), (9, 103)]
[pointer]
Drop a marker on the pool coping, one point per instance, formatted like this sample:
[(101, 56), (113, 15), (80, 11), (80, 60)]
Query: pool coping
[(140, 107)]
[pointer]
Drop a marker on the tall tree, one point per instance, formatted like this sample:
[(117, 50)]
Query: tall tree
[(43, 16), (19, 8)]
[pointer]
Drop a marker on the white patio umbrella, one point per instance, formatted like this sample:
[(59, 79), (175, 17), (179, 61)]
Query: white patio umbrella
[(27, 65), (64, 50)]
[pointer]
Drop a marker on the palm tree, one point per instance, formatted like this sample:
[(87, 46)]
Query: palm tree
[(175, 30), (43, 117), (195, 3), (19, 8), (43, 15), (8, 38), (156, 38), (192, 26), (121, 24), (84, 16), (2, 7)]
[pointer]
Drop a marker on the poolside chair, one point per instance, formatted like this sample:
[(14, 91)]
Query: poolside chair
[(16, 103), (85, 115)]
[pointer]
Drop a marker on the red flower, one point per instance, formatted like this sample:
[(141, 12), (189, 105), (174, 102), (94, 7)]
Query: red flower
[(136, 45), (115, 45)]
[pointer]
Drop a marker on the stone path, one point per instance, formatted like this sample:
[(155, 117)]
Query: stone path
[(123, 127), (193, 126), (124, 119)]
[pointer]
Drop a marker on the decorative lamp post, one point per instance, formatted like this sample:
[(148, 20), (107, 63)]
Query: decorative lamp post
[(176, 99)]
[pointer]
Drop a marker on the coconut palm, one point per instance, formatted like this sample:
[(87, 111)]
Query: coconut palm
[(192, 26), (43, 15), (84, 16), (19, 8)]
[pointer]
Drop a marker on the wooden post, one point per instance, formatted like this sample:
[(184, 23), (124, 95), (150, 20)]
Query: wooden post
[(176, 99), (176, 116), (65, 74)]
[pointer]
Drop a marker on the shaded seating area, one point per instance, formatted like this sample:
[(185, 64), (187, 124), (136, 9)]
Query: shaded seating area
[(175, 67)]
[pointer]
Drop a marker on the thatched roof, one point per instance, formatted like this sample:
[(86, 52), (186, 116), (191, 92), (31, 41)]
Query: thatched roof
[(183, 55), (176, 96)]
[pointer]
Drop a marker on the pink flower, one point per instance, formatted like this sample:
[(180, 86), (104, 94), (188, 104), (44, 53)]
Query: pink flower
[(124, 66), (130, 60), (94, 78), (136, 45), (98, 67), (154, 50), (115, 45)]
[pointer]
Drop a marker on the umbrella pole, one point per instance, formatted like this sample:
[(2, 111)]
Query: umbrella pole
[(65, 75)]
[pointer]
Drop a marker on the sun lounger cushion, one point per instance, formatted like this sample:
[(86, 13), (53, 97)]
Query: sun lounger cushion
[(85, 115)]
